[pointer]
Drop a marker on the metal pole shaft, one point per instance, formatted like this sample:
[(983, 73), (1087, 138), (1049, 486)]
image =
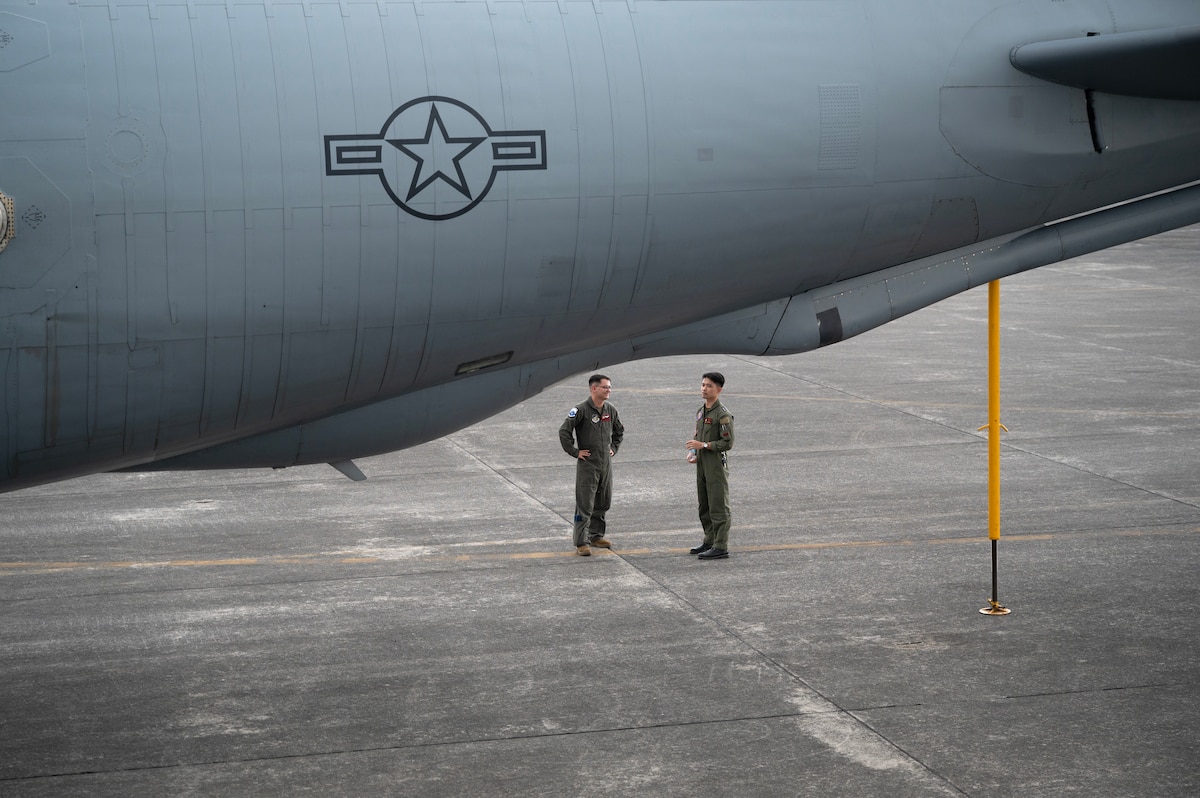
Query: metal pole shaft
[(994, 410), (994, 426)]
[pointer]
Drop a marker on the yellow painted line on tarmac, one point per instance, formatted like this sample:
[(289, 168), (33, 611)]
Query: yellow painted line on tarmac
[(343, 558)]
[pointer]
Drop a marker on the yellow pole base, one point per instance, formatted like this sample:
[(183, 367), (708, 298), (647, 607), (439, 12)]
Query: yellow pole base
[(994, 608)]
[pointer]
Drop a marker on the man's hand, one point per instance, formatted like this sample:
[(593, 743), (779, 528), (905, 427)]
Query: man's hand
[(584, 453)]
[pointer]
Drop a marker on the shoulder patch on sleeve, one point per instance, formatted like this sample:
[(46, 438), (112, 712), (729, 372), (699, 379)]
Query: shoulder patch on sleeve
[(726, 419), (574, 411)]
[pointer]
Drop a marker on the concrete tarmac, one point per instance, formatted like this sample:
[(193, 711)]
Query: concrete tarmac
[(431, 632)]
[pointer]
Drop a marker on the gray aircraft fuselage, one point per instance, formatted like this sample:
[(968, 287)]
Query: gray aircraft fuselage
[(265, 234)]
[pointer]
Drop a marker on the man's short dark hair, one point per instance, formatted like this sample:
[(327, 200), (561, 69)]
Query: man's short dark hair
[(717, 377), (595, 378)]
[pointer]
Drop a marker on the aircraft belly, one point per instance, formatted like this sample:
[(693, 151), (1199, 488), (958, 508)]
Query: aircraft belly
[(760, 232)]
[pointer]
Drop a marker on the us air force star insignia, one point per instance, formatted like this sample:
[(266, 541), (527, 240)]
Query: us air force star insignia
[(426, 151), (434, 146)]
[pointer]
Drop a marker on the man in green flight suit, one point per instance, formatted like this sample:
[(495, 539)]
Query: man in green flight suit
[(714, 438), (597, 428)]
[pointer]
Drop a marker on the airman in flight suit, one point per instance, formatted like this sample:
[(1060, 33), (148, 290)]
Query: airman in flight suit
[(714, 439), (592, 433)]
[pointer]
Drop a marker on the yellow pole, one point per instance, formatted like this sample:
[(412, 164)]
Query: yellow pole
[(994, 426), (994, 410)]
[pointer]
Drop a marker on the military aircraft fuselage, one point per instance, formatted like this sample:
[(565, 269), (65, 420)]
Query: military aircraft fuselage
[(264, 234)]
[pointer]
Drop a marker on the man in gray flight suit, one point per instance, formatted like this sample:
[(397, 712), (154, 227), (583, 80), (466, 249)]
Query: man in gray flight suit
[(714, 438), (595, 425)]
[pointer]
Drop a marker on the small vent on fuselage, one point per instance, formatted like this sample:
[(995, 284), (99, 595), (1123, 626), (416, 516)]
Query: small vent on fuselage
[(841, 119)]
